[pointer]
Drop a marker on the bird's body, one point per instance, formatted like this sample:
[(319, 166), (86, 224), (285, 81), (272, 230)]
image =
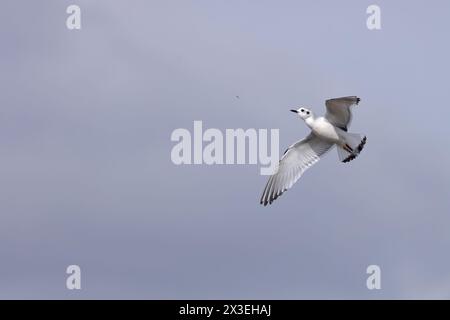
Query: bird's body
[(326, 132), (322, 128)]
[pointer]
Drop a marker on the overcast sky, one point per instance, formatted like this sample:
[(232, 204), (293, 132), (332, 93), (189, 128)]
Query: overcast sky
[(86, 176)]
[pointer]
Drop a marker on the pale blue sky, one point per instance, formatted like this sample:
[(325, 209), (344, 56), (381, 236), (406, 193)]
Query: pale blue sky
[(85, 170)]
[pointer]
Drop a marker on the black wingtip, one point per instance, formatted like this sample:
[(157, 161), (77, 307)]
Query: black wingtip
[(358, 100), (359, 148)]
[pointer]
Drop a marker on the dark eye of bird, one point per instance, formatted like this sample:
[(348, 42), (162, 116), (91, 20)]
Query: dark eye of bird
[(307, 112), (301, 110)]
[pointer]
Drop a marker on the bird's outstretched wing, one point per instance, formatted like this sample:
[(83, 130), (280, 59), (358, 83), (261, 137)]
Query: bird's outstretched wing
[(296, 160), (339, 111)]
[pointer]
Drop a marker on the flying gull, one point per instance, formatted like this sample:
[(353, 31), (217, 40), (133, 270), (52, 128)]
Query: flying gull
[(326, 132)]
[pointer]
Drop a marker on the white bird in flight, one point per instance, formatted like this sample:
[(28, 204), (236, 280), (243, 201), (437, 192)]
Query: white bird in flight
[(326, 132)]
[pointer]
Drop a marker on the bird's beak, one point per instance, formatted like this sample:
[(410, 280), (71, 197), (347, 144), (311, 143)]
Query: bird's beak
[(292, 110)]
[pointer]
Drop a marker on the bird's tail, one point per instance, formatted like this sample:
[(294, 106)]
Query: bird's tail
[(354, 143)]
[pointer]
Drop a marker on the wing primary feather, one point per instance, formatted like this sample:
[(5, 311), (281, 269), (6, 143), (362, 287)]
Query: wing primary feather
[(296, 160)]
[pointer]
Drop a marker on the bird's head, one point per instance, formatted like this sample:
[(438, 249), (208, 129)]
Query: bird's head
[(303, 112)]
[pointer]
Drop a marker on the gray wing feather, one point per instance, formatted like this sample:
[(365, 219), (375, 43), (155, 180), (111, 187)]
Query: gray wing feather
[(339, 111), (296, 160)]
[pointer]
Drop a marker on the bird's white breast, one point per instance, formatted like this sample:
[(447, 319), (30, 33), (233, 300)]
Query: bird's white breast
[(324, 129)]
